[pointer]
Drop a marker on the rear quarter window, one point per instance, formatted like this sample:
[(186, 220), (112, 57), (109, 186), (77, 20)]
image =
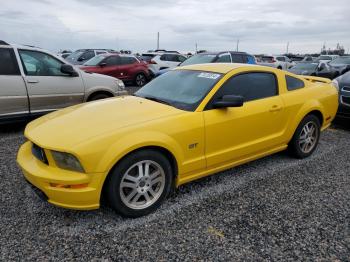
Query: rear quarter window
[(294, 83)]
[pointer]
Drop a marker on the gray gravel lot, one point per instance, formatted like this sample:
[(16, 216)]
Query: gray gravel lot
[(276, 208)]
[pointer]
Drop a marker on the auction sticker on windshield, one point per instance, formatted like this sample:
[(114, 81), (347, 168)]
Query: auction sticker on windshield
[(209, 75)]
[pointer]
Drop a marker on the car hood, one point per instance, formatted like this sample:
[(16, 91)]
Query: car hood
[(338, 66), (64, 129), (344, 79)]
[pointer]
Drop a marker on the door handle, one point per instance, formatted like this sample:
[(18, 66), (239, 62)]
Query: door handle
[(275, 108), (32, 81)]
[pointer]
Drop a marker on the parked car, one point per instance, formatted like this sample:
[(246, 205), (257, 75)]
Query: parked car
[(125, 67), (192, 122), (326, 58), (314, 69), (64, 53), (163, 61), (216, 57), (279, 62), (341, 64), (343, 84), (34, 81), (80, 56)]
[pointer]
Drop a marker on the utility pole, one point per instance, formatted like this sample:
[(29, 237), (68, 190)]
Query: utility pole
[(196, 48), (287, 48), (237, 45), (157, 40)]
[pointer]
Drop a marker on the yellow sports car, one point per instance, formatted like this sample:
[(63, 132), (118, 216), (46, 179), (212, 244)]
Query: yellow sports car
[(191, 122)]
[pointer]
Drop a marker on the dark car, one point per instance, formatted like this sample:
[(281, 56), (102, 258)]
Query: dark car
[(314, 69), (343, 83), (124, 67), (216, 57), (341, 64)]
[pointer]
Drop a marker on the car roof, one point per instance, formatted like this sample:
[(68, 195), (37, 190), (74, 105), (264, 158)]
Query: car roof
[(222, 68)]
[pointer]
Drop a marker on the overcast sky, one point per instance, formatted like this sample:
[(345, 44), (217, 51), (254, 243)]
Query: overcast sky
[(263, 26)]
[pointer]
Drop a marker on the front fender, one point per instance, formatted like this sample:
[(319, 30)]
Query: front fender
[(130, 142)]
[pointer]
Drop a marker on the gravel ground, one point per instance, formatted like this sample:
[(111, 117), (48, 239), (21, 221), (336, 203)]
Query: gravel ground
[(276, 208)]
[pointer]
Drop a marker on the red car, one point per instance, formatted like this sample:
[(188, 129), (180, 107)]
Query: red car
[(124, 67)]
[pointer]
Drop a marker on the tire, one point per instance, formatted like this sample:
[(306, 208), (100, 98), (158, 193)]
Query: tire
[(129, 193), (98, 97), (140, 79), (279, 67), (305, 138)]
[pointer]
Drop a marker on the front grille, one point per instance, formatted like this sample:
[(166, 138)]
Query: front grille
[(39, 153)]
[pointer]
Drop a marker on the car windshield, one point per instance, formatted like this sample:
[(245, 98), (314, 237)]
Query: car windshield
[(75, 55), (199, 59), (305, 66), (183, 89), (94, 61), (341, 60)]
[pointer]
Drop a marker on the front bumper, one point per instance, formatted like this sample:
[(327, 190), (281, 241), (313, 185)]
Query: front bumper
[(46, 178)]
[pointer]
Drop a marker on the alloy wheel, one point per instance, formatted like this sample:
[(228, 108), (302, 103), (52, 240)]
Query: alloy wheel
[(308, 137), (142, 184)]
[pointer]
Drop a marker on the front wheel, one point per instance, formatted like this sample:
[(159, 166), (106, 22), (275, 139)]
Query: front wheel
[(139, 183), (140, 79), (306, 137)]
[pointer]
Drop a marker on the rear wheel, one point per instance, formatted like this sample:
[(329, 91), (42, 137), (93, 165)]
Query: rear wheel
[(140, 79), (306, 137), (139, 183)]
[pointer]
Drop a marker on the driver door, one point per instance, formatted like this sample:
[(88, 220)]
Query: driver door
[(236, 133), (48, 88)]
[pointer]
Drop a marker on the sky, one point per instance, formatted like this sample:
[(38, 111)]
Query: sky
[(262, 26)]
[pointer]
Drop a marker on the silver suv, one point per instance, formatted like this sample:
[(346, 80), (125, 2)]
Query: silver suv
[(34, 81)]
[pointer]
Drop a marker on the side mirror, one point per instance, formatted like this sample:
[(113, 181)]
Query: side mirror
[(229, 101), (69, 70), (103, 64)]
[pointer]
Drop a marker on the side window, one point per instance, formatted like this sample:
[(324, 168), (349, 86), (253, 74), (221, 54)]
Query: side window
[(174, 58), (127, 60), (40, 64), (252, 86), (294, 83), (281, 58), (223, 59), (164, 58), (100, 52), (8, 62), (112, 60), (88, 55), (181, 58), (237, 58)]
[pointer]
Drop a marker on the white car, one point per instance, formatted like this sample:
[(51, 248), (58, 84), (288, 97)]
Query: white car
[(161, 61), (34, 81), (326, 58), (277, 61)]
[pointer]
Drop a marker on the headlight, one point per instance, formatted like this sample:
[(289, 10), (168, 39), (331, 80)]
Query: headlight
[(67, 161), (120, 84), (335, 83)]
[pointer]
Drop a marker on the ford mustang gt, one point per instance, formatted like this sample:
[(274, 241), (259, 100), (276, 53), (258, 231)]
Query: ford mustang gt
[(192, 122)]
